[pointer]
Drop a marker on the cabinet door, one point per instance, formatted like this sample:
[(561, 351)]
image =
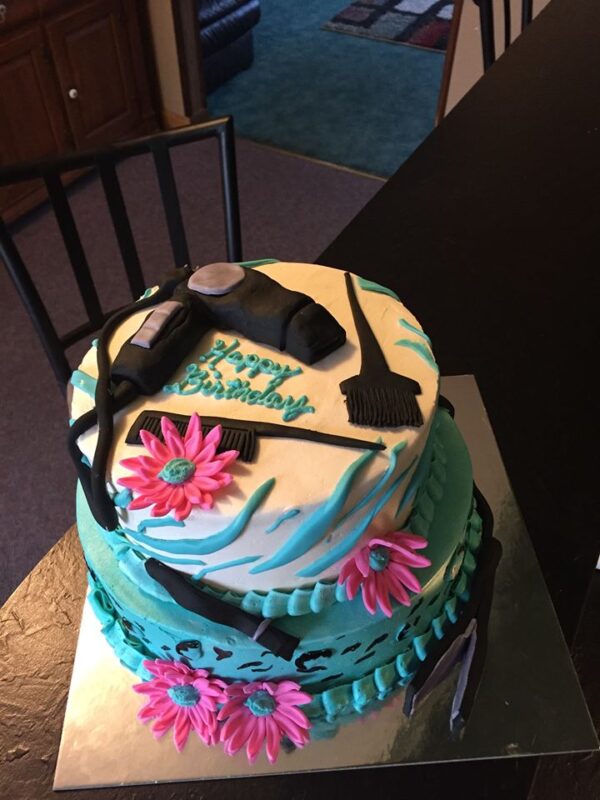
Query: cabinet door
[(91, 54), (32, 123)]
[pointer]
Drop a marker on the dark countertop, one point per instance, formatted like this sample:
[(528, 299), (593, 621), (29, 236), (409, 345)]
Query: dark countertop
[(490, 234)]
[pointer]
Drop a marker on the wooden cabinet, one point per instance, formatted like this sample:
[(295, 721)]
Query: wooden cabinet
[(73, 75)]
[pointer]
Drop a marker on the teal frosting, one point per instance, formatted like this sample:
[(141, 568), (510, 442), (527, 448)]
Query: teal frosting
[(81, 380), (352, 537), (237, 562), (177, 470), (123, 498), (261, 704), (318, 523), (292, 512), (371, 286), (419, 474), (184, 695), (420, 349), (210, 544), (160, 522), (258, 262), (378, 486), (406, 324)]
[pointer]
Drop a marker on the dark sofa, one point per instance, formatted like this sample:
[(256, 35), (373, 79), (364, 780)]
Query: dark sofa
[(226, 37)]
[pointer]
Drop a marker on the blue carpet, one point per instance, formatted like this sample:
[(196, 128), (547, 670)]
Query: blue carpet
[(351, 101)]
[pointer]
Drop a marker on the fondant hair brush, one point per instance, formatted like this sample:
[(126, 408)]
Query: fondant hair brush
[(377, 397)]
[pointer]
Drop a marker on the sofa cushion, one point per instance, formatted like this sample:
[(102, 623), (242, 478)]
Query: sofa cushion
[(224, 21)]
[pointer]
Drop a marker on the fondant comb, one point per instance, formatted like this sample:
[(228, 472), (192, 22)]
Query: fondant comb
[(242, 435)]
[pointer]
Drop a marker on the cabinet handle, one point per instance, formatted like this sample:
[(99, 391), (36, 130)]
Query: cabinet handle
[(3, 11), (73, 94)]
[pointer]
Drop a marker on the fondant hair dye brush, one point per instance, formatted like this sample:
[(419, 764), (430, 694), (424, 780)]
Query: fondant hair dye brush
[(242, 434), (377, 397)]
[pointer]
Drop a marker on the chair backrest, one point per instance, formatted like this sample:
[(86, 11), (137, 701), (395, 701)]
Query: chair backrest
[(105, 162), (487, 26)]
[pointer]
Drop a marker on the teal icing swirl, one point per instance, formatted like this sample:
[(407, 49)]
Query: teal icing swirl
[(352, 537), (420, 349), (237, 562), (123, 498), (293, 512), (378, 486), (210, 544), (160, 522), (371, 286), (258, 262), (406, 324), (81, 380), (419, 474), (318, 523)]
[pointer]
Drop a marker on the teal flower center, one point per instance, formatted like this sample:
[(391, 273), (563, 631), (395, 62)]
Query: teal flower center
[(186, 695), (261, 704), (177, 470), (379, 558)]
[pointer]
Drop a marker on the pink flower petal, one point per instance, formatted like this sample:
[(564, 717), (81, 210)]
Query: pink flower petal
[(256, 740), (192, 440), (382, 593), (182, 729), (405, 576), (397, 590), (369, 594), (362, 561), (154, 446), (273, 739)]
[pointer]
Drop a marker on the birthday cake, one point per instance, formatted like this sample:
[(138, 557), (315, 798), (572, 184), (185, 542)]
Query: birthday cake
[(276, 507)]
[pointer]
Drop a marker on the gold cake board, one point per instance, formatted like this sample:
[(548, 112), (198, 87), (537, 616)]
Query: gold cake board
[(528, 671)]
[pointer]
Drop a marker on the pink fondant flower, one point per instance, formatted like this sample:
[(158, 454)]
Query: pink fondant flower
[(382, 568), (180, 473), (263, 711), (181, 698)]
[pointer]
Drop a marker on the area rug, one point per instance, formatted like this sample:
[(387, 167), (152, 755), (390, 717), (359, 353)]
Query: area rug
[(418, 23)]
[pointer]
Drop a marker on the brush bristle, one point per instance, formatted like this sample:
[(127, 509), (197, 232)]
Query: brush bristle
[(386, 406)]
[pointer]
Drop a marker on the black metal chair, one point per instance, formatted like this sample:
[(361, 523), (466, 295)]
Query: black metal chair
[(105, 162), (486, 26)]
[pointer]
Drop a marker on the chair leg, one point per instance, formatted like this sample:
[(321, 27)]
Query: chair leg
[(526, 13), (486, 24), (34, 307), (230, 191)]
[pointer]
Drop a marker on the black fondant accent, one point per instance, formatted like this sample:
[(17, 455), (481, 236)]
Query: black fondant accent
[(165, 647), (198, 602), (242, 435), (377, 641), (333, 677), (351, 648), (301, 661), (444, 403), (189, 644), (250, 664), (260, 669), (109, 399), (377, 397), (364, 658), (222, 654), (266, 653), (264, 311), (402, 634), (341, 636), (478, 606)]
